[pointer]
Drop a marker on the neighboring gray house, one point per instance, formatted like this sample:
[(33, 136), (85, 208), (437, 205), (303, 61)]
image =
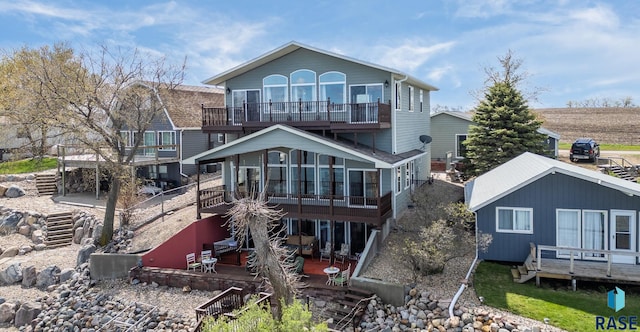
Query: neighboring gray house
[(177, 134), (334, 141), (539, 200), (450, 129)]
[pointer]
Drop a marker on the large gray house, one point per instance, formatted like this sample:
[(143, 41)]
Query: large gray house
[(334, 141)]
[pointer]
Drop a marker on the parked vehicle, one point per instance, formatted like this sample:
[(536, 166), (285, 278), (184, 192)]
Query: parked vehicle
[(584, 149)]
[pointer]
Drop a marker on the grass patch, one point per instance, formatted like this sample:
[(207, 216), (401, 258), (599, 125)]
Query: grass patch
[(566, 309), (605, 147), (28, 166)]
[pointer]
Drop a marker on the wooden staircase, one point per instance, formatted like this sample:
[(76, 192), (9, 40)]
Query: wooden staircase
[(46, 184), (59, 229), (527, 270), (352, 305), (622, 173)]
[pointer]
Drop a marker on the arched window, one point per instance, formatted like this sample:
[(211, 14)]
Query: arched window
[(275, 88), (333, 87), (303, 85)]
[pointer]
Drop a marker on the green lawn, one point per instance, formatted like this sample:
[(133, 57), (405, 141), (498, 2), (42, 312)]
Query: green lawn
[(27, 166), (605, 147), (569, 310)]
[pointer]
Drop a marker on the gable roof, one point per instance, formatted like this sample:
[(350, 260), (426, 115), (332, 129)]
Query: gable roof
[(527, 168), (183, 104), (467, 116), (290, 137), (294, 46)]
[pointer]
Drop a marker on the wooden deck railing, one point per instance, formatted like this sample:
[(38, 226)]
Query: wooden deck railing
[(297, 111), (574, 251), (353, 207), (229, 303)]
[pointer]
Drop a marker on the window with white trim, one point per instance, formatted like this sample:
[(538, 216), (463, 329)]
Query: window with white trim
[(421, 100), (303, 179), (326, 185), (412, 105), (460, 147), (275, 89), (303, 85), (277, 172), (126, 138), (333, 87), (167, 138), (398, 180), (220, 138), (514, 220), (407, 175), (398, 96)]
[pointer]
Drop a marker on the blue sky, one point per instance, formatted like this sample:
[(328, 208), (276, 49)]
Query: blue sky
[(573, 49)]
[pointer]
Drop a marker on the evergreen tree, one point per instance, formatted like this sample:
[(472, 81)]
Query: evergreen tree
[(505, 127)]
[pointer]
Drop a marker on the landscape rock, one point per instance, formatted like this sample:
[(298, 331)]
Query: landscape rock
[(85, 253), (66, 274), (10, 221), (26, 314), (11, 275), (28, 276), (47, 277), (10, 252), (7, 312), (14, 191)]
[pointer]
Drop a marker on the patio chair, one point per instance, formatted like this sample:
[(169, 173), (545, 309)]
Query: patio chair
[(344, 252), (326, 251), (191, 262), (344, 278)]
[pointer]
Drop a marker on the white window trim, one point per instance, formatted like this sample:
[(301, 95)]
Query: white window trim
[(514, 209), (220, 138), (341, 166), (407, 176), (560, 254), (457, 152), (128, 139), (344, 84), (314, 91), (398, 92), (286, 92), (421, 100), (412, 105), (398, 180), (160, 141)]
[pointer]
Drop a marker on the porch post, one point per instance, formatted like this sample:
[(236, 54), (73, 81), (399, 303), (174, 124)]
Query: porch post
[(333, 241), (299, 153), (198, 215), (237, 175)]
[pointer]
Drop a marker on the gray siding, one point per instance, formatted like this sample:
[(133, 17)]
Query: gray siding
[(194, 142), (410, 125), (544, 196), (444, 128)]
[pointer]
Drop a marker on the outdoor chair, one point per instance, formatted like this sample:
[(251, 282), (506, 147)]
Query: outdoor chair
[(191, 262), (326, 251), (344, 252), (344, 277)]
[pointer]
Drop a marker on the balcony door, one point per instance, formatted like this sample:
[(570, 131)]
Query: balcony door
[(247, 101), (363, 187), (361, 98), (249, 179)]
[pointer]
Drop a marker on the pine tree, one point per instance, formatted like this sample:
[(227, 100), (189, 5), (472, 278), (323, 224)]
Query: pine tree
[(504, 128)]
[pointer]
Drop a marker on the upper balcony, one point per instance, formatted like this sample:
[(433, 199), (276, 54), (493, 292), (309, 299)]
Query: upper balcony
[(309, 115)]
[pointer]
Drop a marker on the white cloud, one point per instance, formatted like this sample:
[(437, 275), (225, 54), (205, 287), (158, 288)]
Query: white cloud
[(411, 54), (482, 8)]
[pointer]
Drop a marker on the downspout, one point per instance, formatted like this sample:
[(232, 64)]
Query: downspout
[(464, 285), (394, 126)]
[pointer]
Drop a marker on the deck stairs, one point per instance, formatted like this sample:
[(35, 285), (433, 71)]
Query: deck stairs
[(526, 271), (46, 184), (622, 173), (59, 229), (349, 310)]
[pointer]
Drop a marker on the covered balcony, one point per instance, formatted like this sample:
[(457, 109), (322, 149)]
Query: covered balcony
[(319, 115), (371, 210)]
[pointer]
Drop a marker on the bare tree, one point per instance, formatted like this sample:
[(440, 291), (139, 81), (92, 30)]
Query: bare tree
[(105, 92), (271, 260)]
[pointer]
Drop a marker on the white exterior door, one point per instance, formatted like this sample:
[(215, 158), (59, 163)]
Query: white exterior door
[(623, 235)]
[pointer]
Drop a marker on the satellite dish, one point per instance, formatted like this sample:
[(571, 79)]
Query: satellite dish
[(425, 139)]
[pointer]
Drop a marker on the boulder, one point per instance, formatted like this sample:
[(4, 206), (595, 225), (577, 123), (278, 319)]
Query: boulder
[(7, 312), (26, 313), (66, 274), (10, 252), (24, 230), (3, 190), (14, 191), (11, 275), (84, 253), (97, 231), (10, 222), (77, 235), (47, 277), (29, 276), (37, 236)]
